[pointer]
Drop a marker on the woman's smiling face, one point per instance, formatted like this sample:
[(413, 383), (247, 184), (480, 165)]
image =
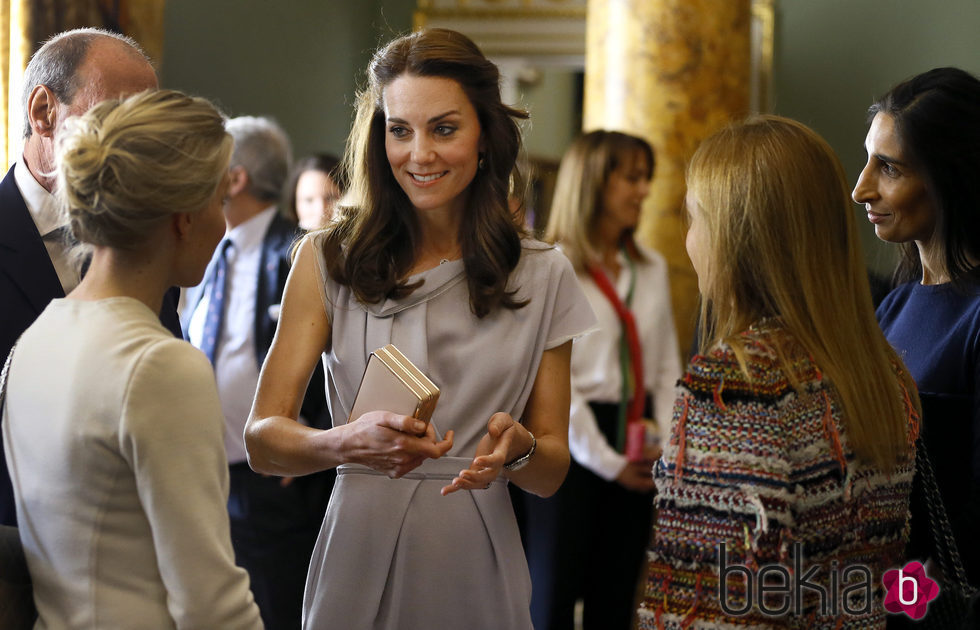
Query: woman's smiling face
[(433, 141), (624, 192), (894, 194)]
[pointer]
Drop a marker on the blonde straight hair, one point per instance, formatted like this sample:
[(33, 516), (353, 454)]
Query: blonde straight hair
[(782, 242)]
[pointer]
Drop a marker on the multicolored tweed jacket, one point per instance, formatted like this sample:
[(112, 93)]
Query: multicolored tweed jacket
[(762, 471)]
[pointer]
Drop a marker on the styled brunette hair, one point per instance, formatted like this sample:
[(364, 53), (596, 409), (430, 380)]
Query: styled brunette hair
[(937, 120), (126, 166), (372, 244), (780, 241), (582, 177)]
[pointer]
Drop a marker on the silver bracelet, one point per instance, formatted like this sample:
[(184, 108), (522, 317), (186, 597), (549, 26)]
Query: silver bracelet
[(522, 461)]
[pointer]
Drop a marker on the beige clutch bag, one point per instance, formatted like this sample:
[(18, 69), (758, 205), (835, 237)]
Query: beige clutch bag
[(392, 383)]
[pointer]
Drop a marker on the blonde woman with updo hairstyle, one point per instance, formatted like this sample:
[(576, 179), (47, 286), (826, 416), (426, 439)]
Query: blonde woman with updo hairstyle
[(425, 253), (792, 440), (587, 541), (112, 426)]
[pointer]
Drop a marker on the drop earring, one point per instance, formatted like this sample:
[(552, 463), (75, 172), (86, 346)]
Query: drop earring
[(482, 163)]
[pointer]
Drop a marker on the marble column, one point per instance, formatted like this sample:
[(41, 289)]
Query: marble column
[(671, 71)]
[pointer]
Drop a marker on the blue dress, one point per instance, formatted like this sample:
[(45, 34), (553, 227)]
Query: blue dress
[(936, 331)]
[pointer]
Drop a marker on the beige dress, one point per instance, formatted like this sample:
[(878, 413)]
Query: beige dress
[(113, 434), (395, 554)]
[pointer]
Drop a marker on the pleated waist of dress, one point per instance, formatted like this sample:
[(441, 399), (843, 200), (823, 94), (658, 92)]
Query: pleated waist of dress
[(444, 469)]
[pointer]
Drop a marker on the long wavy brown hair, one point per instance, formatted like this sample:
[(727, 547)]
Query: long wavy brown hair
[(372, 244)]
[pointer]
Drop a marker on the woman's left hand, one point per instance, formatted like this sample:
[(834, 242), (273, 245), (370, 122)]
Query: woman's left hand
[(491, 455)]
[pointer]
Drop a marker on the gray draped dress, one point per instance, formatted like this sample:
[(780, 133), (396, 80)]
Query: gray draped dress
[(393, 553)]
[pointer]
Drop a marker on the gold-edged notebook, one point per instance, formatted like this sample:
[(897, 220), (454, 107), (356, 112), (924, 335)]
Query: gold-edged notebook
[(392, 383)]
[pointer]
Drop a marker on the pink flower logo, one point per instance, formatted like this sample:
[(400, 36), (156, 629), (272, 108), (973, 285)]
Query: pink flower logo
[(909, 590)]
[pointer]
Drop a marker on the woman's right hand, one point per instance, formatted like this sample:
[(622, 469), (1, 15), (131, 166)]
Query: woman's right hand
[(391, 443), (279, 445), (637, 476)]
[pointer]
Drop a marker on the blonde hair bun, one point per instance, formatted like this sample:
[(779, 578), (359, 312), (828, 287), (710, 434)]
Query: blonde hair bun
[(126, 165)]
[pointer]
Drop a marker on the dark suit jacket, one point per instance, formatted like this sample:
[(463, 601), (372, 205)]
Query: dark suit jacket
[(28, 281), (273, 271)]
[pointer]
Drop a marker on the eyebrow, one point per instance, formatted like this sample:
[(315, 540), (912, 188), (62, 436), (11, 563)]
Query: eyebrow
[(430, 121), (890, 160)]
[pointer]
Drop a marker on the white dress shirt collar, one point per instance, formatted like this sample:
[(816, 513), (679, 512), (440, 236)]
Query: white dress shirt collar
[(42, 205), (249, 234)]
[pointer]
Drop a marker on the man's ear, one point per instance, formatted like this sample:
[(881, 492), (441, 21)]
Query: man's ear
[(42, 111), (237, 180)]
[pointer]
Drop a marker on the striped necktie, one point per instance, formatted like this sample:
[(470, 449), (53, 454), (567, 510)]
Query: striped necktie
[(216, 305)]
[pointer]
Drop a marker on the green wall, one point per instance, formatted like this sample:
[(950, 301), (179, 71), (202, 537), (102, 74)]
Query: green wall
[(298, 61), (834, 57), (554, 122), (301, 60)]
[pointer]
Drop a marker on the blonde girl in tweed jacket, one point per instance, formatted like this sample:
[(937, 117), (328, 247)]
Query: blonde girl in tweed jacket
[(792, 437)]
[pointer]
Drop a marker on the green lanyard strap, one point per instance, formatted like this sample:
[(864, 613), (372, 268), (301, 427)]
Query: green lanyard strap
[(632, 396)]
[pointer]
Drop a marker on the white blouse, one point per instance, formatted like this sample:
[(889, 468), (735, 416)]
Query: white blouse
[(596, 374)]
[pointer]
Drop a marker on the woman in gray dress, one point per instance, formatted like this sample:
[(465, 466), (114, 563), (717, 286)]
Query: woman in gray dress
[(427, 256)]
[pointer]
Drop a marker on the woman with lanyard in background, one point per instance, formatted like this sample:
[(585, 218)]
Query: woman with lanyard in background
[(587, 541)]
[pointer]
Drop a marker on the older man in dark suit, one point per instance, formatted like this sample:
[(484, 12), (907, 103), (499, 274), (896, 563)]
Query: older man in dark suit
[(69, 74), (232, 317)]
